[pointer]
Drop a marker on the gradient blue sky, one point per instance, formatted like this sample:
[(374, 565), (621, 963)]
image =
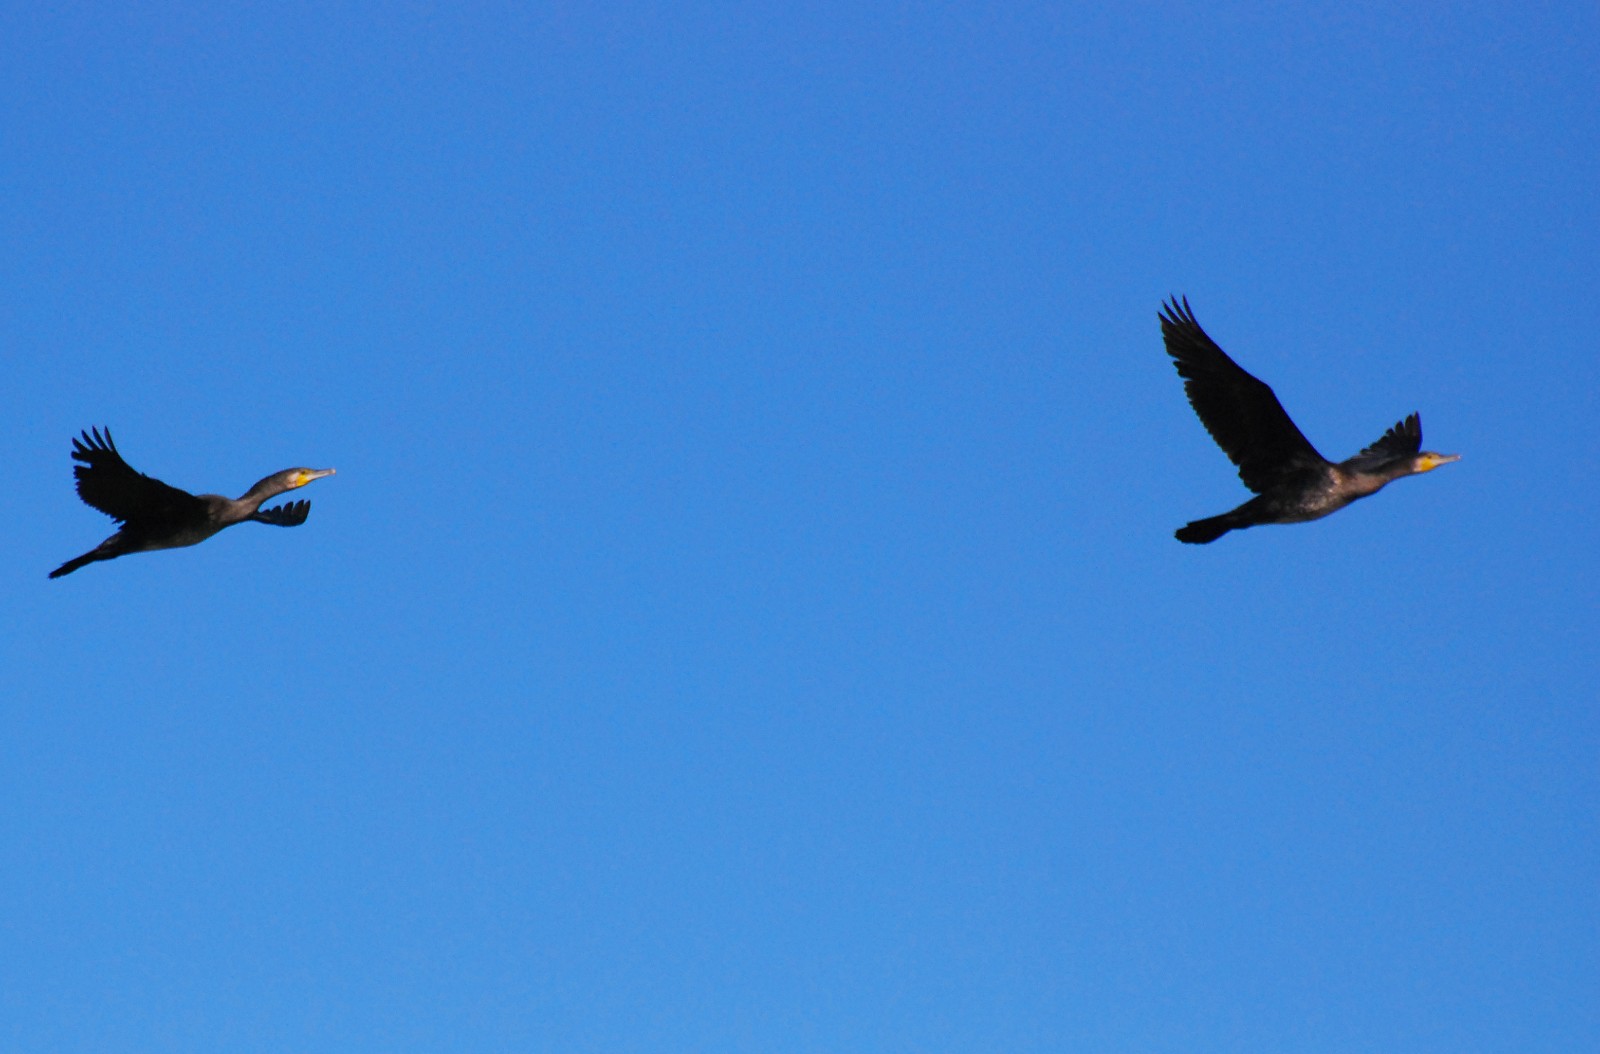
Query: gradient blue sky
[(747, 617)]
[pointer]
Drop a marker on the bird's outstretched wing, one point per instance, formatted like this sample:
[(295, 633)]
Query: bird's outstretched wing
[(108, 483), (1239, 411), (289, 514), (1403, 440)]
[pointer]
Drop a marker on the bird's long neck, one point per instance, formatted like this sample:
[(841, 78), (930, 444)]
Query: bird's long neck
[(1369, 480), (264, 490)]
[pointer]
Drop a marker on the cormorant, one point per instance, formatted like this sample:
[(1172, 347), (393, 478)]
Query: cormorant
[(155, 516), (1293, 482)]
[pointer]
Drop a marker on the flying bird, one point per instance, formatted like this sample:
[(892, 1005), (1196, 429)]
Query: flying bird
[(1293, 482), (153, 515)]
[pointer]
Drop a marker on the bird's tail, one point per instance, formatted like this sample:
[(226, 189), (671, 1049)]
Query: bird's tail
[(1208, 530), (110, 549), (77, 562)]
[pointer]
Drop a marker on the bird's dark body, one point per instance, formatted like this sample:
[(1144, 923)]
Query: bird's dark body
[(177, 531), (155, 516), (1293, 483)]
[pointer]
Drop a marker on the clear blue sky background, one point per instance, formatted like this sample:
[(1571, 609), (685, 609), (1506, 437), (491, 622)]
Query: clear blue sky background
[(747, 616)]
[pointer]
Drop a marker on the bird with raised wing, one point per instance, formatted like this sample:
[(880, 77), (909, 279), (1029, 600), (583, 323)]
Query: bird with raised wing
[(153, 515), (1293, 483)]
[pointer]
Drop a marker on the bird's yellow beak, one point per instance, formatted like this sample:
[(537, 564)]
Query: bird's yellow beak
[(300, 479), (1429, 462)]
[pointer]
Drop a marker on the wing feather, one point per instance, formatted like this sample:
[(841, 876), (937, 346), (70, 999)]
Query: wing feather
[(1241, 413), (289, 514), (108, 483), (1403, 440)]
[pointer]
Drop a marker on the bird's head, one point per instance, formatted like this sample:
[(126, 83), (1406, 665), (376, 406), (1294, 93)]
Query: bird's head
[(278, 482), (299, 477), (1427, 461)]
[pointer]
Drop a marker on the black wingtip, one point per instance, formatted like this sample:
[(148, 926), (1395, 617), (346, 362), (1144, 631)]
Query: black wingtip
[(90, 441), (1175, 311), (289, 514)]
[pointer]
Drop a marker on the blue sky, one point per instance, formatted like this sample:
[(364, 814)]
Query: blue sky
[(747, 616)]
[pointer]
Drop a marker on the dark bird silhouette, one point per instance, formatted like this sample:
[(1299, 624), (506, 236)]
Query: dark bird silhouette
[(1293, 482), (153, 515)]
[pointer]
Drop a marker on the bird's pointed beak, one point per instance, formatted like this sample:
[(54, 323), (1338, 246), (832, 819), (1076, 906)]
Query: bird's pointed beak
[(1433, 461), (310, 474)]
